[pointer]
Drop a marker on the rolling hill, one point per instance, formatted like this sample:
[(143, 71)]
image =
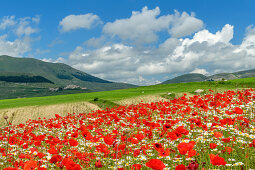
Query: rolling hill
[(15, 71), (195, 77)]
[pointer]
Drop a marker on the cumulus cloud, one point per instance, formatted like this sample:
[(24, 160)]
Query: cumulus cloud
[(200, 71), (14, 48), (205, 53), (7, 21), (22, 28), (185, 24), (142, 27), (27, 26), (95, 42), (74, 22)]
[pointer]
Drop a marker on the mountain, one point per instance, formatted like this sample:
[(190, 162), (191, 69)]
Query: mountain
[(192, 77), (220, 76), (59, 74)]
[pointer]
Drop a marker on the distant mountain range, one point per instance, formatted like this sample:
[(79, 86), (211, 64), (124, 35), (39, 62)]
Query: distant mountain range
[(14, 71), (195, 77)]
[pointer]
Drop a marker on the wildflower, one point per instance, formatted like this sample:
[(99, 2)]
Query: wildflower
[(98, 164), (155, 164), (30, 165)]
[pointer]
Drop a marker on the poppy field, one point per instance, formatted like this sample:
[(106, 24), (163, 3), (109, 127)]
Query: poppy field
[(213, 131)]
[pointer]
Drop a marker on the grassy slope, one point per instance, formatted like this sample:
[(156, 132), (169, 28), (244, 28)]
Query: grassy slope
[(117, 95), (52, 71)]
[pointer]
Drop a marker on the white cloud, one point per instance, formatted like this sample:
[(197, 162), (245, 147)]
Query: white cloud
[(74, 22), (14, 48), (213, 52), (25, 28), (95, 42), (142, 27), (200, 71), (7, 21), (58, 60), (21, 42), (185, 24)]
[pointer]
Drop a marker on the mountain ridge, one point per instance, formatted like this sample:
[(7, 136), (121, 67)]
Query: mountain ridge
[(196, 77), (59, 73)]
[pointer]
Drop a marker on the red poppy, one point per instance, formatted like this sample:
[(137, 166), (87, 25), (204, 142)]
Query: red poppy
[(73, 142), (238, 110), (218, 134), (52, 151), (137, 152), (213, 145), (140, 136), (193, 165), (157, 146), (30, 165), (108, 140), (155, 164), (226, 140), (185, 147), (136, 167), (192, 153), (164, 153), (216, 160), (98, 164), (180, 167)]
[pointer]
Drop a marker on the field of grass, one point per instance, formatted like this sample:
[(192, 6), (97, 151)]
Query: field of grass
[(117, 95)]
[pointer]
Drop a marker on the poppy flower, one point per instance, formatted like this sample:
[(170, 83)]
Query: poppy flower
[(180, 167), (192, 153), (172, 136), (226, 140), (52, 151), (108, 140), (185, 147), (157, 146), (164, 153), (238, 110), (73, 142), (140, 136), (30, 165), (136, 167), (193, 165), (98, 164), (218, 134), (216, 160), (137, 152), (213, 145), (155, 164)]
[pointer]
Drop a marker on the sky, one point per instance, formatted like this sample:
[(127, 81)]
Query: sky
[(142, 42)]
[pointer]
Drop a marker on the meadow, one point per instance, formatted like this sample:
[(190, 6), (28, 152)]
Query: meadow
[(117, 95), (213, 131)]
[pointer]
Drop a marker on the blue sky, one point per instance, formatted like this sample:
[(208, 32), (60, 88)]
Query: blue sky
[(135, 41)]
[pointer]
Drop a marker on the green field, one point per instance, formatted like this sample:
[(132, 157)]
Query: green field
[(117, 95)]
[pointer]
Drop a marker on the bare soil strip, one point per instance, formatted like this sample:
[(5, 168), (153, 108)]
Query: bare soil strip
[(23, 114)]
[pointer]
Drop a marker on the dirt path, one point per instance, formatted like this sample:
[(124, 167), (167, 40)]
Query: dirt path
[(23, 114), (145, 99)]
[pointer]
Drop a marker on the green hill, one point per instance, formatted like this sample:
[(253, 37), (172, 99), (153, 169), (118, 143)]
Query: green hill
[(28, 77), (117, 95), (58, 73), (193, 77)]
